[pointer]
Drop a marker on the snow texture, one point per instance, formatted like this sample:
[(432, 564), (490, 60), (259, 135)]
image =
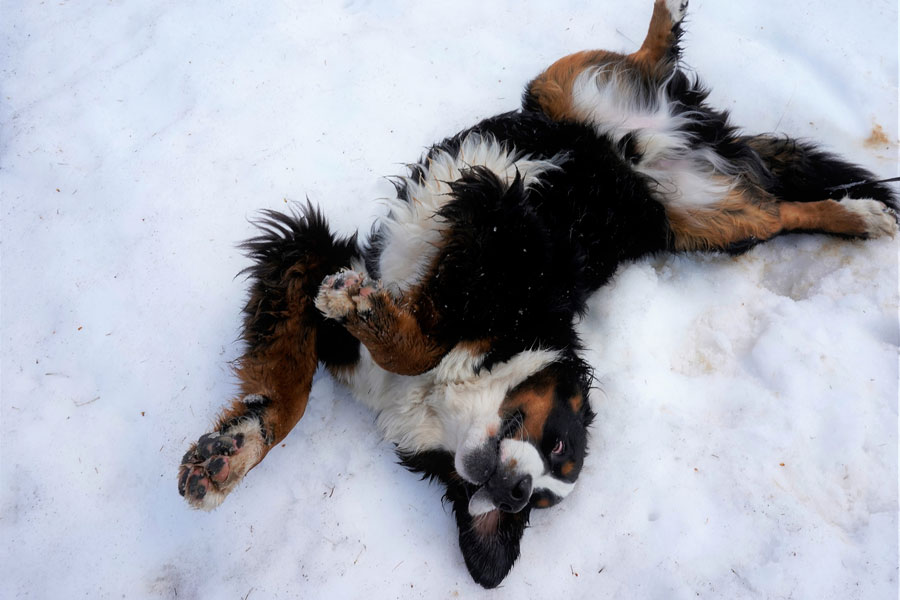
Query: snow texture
[(746, 440)]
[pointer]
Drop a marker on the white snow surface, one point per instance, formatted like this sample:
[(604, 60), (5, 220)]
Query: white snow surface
[(746, 439)]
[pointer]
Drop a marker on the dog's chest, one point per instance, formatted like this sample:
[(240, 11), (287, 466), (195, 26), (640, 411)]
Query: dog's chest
[(437, 409), (411, 234)]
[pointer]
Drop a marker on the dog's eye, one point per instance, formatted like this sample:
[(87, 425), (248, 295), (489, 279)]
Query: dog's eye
[(558, 448)]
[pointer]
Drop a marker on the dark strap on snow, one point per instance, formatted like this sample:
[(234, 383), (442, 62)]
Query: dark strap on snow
[(847, 186)]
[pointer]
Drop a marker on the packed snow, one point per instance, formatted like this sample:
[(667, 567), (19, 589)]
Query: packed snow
[(746, 439)]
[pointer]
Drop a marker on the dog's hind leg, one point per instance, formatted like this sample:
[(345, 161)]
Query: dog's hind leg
[(661, 44), (750, 215), (797, 187), (557, 91), (285, 338)]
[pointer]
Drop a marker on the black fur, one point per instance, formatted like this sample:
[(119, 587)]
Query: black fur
[(517, 264), (301, 238), (488, 558), (803, 172), (552, 244)]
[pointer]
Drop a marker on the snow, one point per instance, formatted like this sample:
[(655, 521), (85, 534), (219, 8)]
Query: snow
[(746, 440)]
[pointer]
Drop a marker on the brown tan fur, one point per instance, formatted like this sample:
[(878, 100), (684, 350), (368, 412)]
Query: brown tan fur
[(826, 215), (576, 402), (554, 87), (282, 368), (394, 334), (536, 404), (277, 370), (745, 213), (658, 41), (749, 213), (534, 398)]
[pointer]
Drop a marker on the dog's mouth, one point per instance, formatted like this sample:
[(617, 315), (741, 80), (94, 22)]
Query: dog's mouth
[(481, 503), (507, 490)]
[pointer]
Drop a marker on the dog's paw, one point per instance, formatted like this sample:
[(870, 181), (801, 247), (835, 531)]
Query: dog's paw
[(217, 462), (344, 293), (677, 8), (878, 219)]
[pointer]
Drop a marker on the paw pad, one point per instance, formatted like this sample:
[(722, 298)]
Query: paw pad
[(216, 462), (345, 293)]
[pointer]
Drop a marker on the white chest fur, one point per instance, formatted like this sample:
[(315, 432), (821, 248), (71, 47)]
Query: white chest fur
[(446, 406)]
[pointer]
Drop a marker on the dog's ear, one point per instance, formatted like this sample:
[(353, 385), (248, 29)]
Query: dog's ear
[(490, 542)]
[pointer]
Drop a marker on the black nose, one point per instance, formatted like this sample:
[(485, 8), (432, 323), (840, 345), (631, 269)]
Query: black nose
[(510, 491)]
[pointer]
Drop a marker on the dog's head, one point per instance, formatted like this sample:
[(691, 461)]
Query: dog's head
[(534, 453), (527, 454)]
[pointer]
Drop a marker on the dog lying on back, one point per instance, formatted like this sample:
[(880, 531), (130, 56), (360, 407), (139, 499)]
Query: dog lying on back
[(454, 320)]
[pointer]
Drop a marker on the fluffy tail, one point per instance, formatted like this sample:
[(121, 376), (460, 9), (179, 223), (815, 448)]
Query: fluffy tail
[(802, 172)]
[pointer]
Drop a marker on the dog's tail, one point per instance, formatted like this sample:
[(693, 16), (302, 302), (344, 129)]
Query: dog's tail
[(803, 172)]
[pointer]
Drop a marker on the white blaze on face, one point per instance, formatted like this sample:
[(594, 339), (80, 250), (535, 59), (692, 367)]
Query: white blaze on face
[(525, 459), (471, 410)]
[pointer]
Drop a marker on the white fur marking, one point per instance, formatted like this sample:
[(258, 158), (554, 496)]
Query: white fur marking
[(450, 407), (879, 220), (528, 461), (677, 8), (412, 232), (610, 100)]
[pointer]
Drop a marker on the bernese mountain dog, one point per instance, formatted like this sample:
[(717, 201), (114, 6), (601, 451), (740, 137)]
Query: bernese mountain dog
[(453, 321)]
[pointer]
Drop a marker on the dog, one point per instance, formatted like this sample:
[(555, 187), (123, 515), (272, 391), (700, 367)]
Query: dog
[(454, 319)]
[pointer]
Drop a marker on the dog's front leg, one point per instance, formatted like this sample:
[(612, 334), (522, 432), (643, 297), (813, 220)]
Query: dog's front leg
[(391, 329), (285, 338)]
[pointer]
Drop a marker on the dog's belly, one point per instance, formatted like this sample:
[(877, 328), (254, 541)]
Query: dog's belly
[(680, 173)]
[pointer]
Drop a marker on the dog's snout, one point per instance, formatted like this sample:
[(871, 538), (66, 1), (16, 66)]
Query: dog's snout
[(510, 491), (481, 463)]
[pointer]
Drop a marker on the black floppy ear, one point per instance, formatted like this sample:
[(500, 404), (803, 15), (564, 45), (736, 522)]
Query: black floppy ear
[(489, 542)]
